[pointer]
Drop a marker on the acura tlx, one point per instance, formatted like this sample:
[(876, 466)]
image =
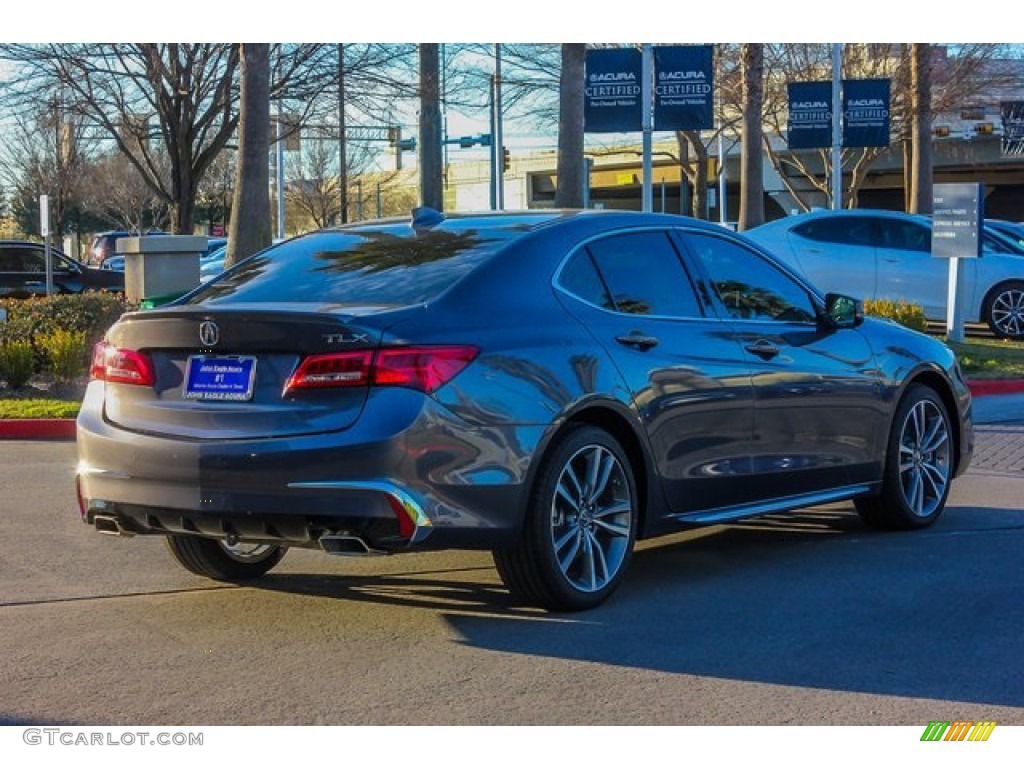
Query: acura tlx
[(547, 385)]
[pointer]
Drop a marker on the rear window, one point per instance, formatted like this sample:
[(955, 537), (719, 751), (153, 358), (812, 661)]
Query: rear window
[(383, 266)]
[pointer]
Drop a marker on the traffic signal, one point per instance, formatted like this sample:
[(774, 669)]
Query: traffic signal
[(506, 159)]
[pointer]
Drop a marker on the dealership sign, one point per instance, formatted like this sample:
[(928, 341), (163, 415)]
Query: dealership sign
[(866, 113), (683, 87), (957, 215), (612, 91), (810, 115), (1013, 127)]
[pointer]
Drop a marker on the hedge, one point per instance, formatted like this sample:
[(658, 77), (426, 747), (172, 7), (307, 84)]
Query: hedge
[(35, 320)]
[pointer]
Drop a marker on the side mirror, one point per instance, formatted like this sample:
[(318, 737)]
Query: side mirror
[(842, 311)]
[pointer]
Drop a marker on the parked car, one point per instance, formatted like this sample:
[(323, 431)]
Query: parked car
[(887, 255), (212, 264), (1009, 229), (103, 244), (23, 272), (217, 246), (551, 386)]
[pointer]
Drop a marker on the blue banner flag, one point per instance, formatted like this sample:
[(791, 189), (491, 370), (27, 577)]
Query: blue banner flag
[(684, 87), (612, 91), (866, 109), (810, 115), (1013, 127)]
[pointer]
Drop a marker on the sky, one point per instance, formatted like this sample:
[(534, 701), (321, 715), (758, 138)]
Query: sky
[(520, 20)]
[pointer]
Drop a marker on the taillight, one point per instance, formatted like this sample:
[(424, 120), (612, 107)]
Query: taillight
[(338, 369), (121, 366), (422, 368)]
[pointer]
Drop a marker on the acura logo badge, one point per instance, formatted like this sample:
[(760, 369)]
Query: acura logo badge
[(209, 333)]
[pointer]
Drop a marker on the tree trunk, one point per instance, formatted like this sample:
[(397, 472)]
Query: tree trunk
[(431, 161), (698, 175), (921, 128), (751, 161), (571, 165), (342, 149), (250, 210)]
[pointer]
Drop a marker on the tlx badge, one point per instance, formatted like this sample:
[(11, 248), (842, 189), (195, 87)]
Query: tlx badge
[(347, 338)]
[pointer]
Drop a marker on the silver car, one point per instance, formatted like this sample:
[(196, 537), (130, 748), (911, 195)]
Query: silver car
[(887, 255)]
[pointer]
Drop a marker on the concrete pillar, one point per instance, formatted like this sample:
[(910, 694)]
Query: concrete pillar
[(160, 266)]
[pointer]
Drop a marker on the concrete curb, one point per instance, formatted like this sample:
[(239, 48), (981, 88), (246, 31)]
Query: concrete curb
[(64, 429)]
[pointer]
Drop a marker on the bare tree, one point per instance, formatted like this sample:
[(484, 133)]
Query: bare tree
[(44, 153), (152, 100), (921, 128), (571, 166), (114, 190), (250, 223), (751, 162), (431, 170)]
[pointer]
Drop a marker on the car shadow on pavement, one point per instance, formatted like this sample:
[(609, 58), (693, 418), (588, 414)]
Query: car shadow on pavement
[(812, 601), (804, 599)]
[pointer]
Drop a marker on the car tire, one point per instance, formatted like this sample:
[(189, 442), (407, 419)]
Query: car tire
[(220, 561), (919, 465), (580, 526), (1004, 310)]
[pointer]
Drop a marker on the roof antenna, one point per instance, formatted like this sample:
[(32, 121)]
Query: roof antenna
[(425, 217)]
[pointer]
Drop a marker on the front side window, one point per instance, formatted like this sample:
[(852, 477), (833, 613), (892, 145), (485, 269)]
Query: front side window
[(905, 236), (749, 287)]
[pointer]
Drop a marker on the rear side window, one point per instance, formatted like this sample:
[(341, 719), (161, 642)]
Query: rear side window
[(383, 266), (644, 275), (843, 230)]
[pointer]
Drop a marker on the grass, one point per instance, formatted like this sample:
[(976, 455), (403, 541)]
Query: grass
[(991, 358), (38, 408)]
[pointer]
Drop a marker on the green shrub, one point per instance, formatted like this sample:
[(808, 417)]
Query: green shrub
[(904, 313), (89, 313), (66, 354), (17, 363)]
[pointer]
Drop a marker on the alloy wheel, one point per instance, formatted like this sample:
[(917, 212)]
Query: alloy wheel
[(924, 460), (1008, 312), (591, 518)]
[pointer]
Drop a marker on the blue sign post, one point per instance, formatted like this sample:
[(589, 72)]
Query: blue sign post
[(612, 101), (684, 87), (866, 109), (810, 115)]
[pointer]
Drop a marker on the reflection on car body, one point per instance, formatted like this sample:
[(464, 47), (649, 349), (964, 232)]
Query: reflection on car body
[(550, 386)]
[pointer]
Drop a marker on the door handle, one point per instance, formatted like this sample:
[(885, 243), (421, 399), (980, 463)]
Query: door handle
[(637, 340), (763, 349)]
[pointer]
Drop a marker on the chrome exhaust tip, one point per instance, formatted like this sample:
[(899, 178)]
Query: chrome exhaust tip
[(110, 526), (344, 544)]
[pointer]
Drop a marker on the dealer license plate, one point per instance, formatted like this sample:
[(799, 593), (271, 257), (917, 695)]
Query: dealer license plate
[(219, 378)]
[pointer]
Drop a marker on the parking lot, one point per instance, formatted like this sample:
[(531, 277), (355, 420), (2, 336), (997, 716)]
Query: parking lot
[(806, 618)]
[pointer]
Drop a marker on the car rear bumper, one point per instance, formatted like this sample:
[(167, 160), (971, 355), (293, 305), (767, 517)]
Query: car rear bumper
[(409, 473)]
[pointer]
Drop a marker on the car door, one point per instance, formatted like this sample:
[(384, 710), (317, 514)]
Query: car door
[(819, 422), (689, 382), (22, 270), (907, 270), (836, 252)]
